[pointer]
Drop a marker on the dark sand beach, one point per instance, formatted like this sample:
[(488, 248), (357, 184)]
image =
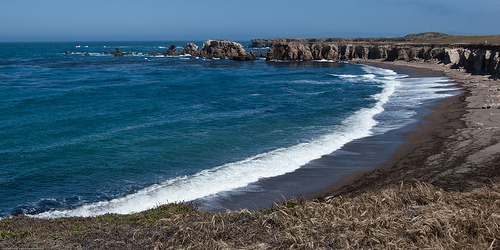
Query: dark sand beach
[(458, 148)]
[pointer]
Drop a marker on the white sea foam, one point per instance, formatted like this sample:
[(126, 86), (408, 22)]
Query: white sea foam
[(278, 162), (345, 75), (241, 173), (324, 60)]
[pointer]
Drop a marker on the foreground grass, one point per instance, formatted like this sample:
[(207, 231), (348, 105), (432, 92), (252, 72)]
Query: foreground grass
[(400, 217)]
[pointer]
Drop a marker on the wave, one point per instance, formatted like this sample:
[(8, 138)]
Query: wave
[(348, 77), (325, 60), (242, 173)]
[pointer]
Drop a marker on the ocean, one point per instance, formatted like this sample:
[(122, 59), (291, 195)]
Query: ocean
[(88, 135)]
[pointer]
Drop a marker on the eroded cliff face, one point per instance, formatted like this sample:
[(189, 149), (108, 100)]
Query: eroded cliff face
[(477, 59)]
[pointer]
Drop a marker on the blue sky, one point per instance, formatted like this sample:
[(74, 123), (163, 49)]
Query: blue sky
[(98, 20)]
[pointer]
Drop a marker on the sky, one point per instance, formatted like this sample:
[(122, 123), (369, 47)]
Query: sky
[(196, 20)]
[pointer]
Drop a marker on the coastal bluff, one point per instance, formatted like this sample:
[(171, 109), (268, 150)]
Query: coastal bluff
[(477, 59)]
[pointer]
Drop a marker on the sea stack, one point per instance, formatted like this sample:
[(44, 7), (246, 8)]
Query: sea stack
[(225, 49)]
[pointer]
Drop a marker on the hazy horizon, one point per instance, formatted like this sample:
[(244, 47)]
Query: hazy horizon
[(154, 20)]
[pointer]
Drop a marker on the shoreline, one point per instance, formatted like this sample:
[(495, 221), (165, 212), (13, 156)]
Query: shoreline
[(457, 149), (319, 174)]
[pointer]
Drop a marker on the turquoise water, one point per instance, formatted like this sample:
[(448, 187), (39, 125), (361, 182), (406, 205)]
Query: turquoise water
[(86, 135)]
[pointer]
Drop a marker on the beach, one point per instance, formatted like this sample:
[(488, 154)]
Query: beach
[(356, 167), (456, 149)]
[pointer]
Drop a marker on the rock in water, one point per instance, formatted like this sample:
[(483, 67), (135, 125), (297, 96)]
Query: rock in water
[(118, 52), (172, 51), (225, 49), (190, 49)]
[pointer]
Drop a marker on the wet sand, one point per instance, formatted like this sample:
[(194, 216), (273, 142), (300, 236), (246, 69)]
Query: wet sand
[(457, 150)]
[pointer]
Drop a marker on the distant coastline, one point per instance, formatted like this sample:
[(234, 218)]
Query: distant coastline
[(421, 38)]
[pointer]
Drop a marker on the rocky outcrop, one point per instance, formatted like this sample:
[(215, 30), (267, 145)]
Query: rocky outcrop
[(211, 49), (172, 51), (477, 59), (190, 49), (219, 49), (118, 53), (153, 53), (225, 49), (78, 52)]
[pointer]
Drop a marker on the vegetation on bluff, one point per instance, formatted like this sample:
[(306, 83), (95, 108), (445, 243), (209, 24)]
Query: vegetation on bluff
[(412, 216)]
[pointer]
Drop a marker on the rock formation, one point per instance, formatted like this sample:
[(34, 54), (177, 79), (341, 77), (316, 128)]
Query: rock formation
[(477, 59), (225, 49), (190, 49), (118, 52), (172, 51), (153, 53), (211, 49)]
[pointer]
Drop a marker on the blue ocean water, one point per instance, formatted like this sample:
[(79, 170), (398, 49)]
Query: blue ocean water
[(87, 135)]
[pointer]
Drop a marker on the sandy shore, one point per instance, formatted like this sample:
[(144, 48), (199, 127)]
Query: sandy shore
[(457, 150)]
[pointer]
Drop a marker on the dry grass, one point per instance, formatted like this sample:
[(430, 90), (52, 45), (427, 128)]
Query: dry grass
[(412, 216)]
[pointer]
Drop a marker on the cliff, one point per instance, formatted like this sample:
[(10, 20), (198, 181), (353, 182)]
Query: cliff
[(476, 59)]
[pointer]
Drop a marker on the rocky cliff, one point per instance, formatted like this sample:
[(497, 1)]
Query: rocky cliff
[(477, 59)]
